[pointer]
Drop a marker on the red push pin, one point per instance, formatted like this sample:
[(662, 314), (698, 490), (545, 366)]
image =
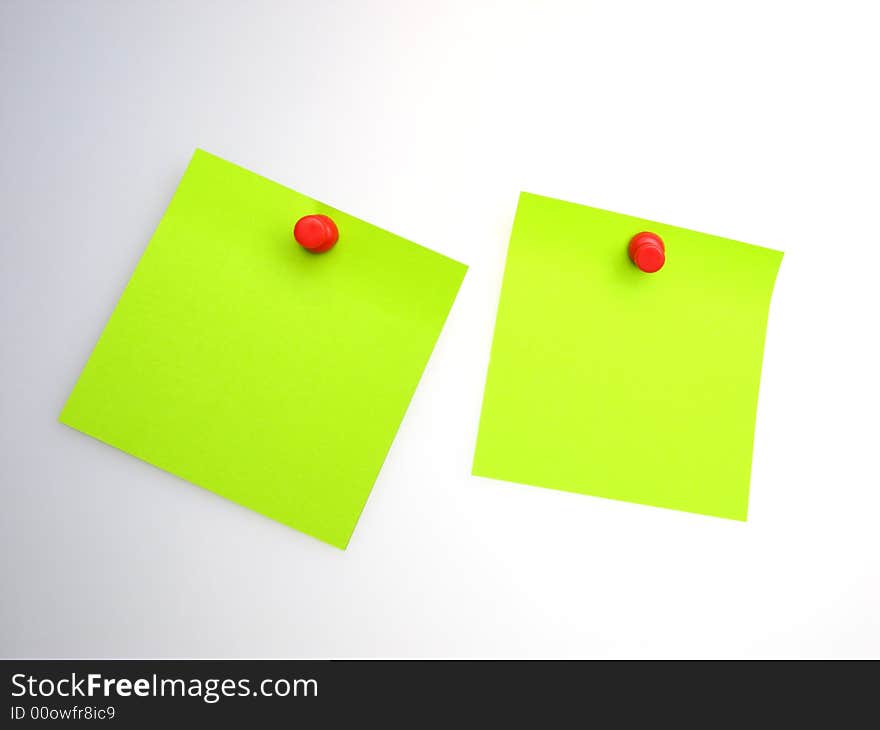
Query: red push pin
[(316, 233), (647, 251)]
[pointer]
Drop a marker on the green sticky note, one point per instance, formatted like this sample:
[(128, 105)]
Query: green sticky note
[(608, 381), (244, 364)]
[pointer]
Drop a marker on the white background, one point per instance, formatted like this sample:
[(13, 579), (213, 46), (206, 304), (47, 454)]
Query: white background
[(753, 120)]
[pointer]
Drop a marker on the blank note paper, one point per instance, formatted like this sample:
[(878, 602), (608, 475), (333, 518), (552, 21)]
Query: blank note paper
[(608, 381), (242, 363)]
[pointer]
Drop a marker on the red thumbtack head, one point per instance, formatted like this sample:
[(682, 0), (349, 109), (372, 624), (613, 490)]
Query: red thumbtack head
[(647, 251), (316, 233)]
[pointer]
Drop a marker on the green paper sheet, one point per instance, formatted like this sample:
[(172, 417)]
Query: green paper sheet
[(608, 381), (244, 364)]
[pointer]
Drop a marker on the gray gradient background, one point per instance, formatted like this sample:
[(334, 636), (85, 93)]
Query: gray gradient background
[(758, 122)]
